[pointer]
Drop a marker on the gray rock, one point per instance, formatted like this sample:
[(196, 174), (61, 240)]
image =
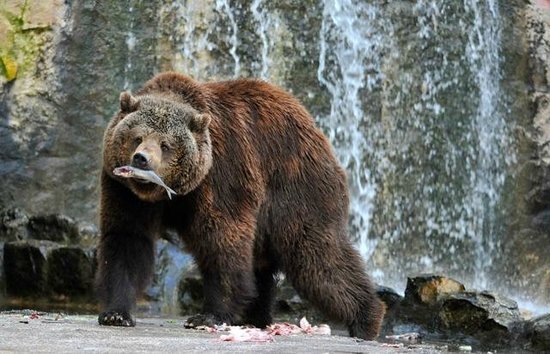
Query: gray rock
[(53, 227), (419, 307), (488, 317), (429, 289), (25, 267), (190, 293), (13, 224), (390, 297), (393, 307), (538, 332), (70, 271)]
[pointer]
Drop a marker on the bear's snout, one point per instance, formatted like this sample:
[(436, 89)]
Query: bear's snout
[(141, 160)]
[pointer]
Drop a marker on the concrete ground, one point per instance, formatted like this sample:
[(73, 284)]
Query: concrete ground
[(23, 331)]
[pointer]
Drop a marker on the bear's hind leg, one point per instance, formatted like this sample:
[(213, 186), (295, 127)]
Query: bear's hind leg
[(328, 272)]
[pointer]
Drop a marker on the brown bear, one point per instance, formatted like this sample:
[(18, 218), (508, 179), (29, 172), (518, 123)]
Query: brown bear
[(259, 191)]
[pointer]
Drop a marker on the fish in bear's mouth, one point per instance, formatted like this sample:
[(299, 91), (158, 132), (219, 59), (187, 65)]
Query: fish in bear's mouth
[(143, 176)]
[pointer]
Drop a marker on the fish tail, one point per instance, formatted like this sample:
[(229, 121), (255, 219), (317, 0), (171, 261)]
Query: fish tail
[(170, 191)]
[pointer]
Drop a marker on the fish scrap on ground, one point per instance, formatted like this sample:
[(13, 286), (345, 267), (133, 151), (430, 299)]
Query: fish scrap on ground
[(245, 334)]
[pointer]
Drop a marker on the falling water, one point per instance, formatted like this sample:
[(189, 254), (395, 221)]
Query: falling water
[(263, 20), (427, 169), (223, 6), (411, 98), (354, 47), (130, 44)]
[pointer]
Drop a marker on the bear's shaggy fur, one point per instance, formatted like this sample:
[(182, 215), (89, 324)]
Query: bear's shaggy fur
[(259, 191)]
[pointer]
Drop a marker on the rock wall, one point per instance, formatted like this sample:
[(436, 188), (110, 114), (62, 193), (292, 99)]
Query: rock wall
[(529, 240), (70, 65)]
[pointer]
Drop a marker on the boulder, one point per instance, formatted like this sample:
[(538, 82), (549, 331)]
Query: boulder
[(16, 224), (25, 267), (427, 290), (13, 224), (71, 271), (538, 332), (53, 227), (389, 296), (491, 318), (190, 293), (392, 300)]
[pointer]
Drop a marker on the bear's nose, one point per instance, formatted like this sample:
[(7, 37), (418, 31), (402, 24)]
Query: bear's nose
[(140, 160)]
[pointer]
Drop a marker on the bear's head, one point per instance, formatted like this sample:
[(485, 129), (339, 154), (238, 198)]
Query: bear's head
[(161, 133)]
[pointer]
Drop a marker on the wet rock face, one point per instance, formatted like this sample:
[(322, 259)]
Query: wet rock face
[(176, 285), (528, 243)]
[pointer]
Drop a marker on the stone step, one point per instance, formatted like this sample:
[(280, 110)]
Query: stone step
[(35, 268)]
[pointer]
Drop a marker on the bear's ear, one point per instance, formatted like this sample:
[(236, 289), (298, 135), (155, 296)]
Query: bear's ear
[(199, 122), (128, 103)]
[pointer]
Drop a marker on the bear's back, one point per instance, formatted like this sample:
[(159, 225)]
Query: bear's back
[(254, 114)]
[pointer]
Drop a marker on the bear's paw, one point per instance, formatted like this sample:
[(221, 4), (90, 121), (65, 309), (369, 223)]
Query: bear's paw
[(113, 318), (207, 320)]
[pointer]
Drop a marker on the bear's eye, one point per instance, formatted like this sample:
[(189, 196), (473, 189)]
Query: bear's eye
[(164, 146), (138, 140)]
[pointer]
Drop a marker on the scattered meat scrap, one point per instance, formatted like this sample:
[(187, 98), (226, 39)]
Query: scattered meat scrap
[(284, 329), (246, 334), (240, 334)]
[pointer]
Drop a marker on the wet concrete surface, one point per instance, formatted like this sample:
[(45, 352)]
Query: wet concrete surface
[(27, 331)]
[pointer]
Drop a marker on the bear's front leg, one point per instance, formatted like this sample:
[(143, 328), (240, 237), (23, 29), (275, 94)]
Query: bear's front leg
[(228, 278), (125, 262), (126, 251)]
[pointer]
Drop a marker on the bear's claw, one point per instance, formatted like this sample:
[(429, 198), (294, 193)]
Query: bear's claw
[(113, 318)]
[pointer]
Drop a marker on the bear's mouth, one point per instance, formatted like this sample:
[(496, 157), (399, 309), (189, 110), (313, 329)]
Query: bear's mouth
[(142, 185), (142, 180)]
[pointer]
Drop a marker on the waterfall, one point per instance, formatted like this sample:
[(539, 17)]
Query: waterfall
[(410, 96), (427, 169), (130, 45), (224, 7), (353, 54)]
